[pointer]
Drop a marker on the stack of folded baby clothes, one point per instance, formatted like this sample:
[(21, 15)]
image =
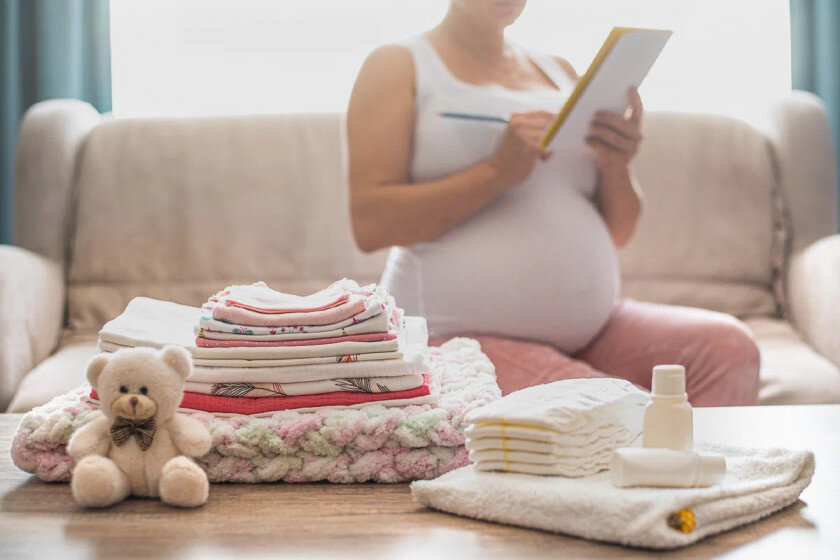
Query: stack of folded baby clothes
[(258, 351), (567, 428)]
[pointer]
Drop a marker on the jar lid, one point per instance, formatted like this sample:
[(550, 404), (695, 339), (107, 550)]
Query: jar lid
[(668, 380)]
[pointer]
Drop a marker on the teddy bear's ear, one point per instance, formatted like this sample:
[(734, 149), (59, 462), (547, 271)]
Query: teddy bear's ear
[(178, 358), (95, 367)]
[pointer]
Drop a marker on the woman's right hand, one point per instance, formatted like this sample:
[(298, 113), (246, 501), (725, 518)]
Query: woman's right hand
[(519, 151)]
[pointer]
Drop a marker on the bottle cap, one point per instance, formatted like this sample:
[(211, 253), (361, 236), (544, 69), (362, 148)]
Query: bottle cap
[(712, 469), (668, 380)]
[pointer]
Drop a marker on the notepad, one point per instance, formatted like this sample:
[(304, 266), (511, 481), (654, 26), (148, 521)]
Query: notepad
[(623, 61)]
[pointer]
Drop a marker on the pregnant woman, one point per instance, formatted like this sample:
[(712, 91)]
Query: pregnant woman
[(494, 237)]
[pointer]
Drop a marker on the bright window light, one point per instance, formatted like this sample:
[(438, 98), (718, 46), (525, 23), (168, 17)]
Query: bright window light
[(211, 57)]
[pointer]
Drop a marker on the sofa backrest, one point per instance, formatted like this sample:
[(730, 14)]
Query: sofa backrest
[(706, 237), (177, 208)]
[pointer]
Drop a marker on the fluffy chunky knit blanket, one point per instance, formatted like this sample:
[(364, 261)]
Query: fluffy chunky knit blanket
[(373, 443)]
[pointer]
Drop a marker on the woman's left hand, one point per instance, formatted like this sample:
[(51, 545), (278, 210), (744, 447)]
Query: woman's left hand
[(615, 137)]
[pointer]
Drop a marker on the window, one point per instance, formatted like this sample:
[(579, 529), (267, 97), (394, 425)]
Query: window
[(191, 57)]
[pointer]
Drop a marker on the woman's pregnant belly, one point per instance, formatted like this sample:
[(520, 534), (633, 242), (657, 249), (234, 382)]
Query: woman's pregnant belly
[(537, 264)]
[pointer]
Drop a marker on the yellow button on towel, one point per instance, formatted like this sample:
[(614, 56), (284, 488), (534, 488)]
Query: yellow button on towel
[(682, 521)]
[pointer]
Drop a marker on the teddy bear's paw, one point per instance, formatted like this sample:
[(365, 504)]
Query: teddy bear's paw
[(183, 483), (98, 482), (198, 446)]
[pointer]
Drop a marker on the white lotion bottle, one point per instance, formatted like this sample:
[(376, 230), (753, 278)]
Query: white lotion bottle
[(668, 418), (665, 468)]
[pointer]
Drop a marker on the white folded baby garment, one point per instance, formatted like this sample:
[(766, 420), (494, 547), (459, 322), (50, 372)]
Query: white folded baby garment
[(312, 372), (334, 351), (758, 482), (237, 363)]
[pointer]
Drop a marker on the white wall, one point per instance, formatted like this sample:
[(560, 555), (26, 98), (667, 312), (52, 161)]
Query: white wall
[(191, 57)]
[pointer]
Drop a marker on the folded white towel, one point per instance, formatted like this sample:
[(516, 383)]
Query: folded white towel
[(567, 406), (758, 482)]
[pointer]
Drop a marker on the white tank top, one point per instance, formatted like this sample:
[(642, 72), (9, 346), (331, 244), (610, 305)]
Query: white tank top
[(538, 263)]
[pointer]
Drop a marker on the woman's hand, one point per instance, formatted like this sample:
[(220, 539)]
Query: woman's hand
[(519, 151), (615, 137)]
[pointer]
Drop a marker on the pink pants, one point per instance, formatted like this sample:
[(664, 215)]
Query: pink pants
[(717, 350)]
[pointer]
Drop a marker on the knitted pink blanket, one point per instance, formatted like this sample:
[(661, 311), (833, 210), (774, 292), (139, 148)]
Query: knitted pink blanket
[(374, 443)]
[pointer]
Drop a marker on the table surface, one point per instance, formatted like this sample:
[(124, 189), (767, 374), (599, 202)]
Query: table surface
[(40, 519)]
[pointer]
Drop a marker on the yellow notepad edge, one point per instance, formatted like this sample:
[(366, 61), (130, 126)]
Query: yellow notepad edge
[(610, 42)]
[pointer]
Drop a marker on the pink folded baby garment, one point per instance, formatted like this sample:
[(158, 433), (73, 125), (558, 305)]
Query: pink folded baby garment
[(354, 305), (381, 313), (262, 299), (202, 342)]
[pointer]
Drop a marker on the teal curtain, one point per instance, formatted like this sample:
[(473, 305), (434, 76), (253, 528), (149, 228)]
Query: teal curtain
[(48, 49), (815, 51)]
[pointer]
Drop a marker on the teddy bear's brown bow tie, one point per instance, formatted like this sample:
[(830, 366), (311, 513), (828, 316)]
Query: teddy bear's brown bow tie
[(144, 430)]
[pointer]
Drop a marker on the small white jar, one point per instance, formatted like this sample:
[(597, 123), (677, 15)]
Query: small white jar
[(668, 419)]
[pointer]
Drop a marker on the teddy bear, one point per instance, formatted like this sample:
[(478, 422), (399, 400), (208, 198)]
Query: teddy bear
[(139, 444)]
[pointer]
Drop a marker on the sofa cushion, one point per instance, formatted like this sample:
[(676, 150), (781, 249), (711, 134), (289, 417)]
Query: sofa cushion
[(791, 371), (58, 374), (178, 208), (705, 237)]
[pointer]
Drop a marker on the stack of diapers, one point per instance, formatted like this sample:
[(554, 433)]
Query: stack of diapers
[(567, 428)]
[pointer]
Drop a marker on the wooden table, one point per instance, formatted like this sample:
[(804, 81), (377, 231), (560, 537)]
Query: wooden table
[(40, 520)]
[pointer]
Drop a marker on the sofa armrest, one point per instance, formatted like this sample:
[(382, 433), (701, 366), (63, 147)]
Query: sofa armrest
[(814, 294), (31, 314), (51, 137), (805, 166)]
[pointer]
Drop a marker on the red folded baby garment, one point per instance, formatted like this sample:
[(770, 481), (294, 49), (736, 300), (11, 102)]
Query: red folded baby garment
[(369, 337), (258, 405)]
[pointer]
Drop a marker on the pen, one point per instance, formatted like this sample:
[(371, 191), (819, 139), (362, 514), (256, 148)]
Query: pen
[(473, 117)]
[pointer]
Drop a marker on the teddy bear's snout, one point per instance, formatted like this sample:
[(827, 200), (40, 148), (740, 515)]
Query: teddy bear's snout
[(134, 407)]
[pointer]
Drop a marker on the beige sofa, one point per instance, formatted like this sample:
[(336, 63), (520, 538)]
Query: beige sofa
[(106, 210)]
